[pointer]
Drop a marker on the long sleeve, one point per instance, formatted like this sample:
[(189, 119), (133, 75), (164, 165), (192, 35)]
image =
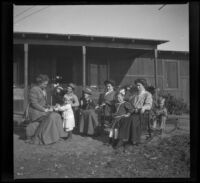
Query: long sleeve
[(63, 108), (148, 101), (128, 107), (109, 99), (142, 101), (75, 101), (101, 99), (34, 98)]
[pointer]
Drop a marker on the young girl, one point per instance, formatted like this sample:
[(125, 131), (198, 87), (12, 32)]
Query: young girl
[(67, 114), (123, 109)]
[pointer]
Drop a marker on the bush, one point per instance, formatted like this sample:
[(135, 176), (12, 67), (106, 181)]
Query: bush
[(175, 105)]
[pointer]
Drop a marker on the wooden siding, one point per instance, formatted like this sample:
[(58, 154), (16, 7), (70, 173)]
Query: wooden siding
[(123, 66)]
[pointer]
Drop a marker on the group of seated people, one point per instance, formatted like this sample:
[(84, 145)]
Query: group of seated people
[(120, 111)]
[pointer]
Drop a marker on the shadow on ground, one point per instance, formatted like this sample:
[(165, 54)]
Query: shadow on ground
[(20, 130)]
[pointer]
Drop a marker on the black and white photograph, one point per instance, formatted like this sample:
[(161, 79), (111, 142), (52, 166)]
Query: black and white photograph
[(101, 91)]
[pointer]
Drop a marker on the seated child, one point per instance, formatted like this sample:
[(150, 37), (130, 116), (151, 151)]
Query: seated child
[(67, 114), (88, 117), (161, 115), (123, 109)]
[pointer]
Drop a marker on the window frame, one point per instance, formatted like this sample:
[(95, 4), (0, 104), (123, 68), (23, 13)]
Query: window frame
[(164, 74)]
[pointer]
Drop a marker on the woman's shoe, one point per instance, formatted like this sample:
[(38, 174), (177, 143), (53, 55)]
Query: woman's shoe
[(109, 142), (119, 144)]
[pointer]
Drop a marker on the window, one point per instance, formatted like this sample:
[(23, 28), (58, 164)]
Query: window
[(98, 73), (171, 74)]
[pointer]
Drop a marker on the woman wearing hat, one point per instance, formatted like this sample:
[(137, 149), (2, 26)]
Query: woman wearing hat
[(141, 101), (74, 100), (106, 102), (88, 117)]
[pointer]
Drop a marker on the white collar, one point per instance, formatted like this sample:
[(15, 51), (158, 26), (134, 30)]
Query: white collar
[(142, 92)]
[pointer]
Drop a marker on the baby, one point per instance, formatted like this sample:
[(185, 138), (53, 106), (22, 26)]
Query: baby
[(67, 114), (161, 115)]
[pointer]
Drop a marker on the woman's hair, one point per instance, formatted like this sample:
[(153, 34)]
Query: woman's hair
[(41, 78), (112, 82), (141, 81), (119, 93)]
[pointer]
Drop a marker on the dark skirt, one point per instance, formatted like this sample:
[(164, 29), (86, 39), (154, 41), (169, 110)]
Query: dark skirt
[(131, 128), (50, 130), (88, 122), (116, 123)]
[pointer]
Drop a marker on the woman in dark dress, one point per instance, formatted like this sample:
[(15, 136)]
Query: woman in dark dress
[(88, 117), (130, 129), (106, 102), (50, 127)]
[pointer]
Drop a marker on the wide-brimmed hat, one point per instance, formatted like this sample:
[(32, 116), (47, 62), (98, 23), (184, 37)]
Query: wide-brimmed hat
[(71, 85), (141, 81), (109, 82), (87, 90)]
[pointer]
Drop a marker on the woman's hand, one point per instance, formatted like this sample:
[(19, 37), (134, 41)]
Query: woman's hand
[(50, 109), (127, 115), (103, 104), (97, 107), (135, 110), (142, 110), (46, 110)]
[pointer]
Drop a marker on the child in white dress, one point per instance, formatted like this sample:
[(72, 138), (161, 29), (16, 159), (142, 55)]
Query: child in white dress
[(67, 114)]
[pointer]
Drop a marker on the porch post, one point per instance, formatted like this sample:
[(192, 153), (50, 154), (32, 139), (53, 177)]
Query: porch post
[(25, 74), (84, 65), (155, 72)]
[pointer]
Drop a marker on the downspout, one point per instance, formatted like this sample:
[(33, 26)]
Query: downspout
[(84, 65), (155, 72), (25, 75)]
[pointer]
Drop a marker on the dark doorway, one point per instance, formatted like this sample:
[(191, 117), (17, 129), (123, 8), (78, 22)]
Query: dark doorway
[(64, 68), (98, 72)]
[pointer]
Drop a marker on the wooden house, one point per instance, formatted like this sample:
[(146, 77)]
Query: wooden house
[(90, 60)]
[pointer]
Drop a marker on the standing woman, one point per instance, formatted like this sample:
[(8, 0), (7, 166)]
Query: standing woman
[(141, 101), (50, 127), (74, 101), (106, 102)]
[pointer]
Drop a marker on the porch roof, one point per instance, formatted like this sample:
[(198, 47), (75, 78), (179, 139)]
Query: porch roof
[(86, 40)]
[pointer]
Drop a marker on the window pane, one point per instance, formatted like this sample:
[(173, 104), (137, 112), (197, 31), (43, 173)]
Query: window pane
[(171, 74)]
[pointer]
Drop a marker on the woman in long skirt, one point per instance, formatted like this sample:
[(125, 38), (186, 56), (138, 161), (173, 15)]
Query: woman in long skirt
[(131, 128), (49, 128), (106, 103)]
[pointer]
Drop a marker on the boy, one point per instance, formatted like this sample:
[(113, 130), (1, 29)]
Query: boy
[(161, 115)]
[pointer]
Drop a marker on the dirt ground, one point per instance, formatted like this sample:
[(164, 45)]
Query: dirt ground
[(165, 156)]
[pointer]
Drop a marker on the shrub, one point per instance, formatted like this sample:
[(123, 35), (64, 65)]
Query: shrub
[(175, 105)]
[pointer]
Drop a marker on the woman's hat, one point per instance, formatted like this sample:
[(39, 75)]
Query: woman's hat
[(58, 79), (141, 81), (109, 82), (71, 85), (87, 90)]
